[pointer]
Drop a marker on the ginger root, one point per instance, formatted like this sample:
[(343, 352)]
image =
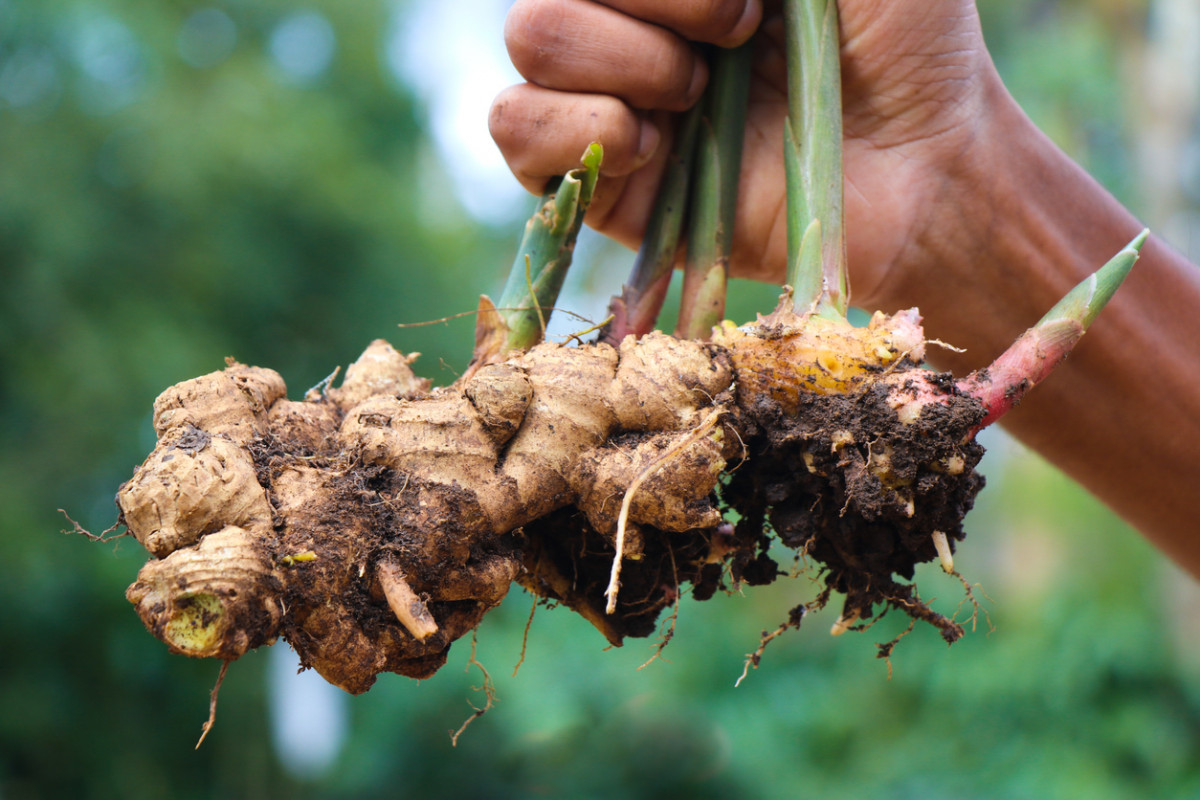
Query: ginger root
[(375, 523)]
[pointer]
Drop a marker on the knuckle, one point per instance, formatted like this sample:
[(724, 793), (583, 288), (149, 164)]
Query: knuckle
[(673, 78), (500, 119), (533, 33)]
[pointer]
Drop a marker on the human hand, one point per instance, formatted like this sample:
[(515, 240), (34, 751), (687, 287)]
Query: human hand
[(918, 86)]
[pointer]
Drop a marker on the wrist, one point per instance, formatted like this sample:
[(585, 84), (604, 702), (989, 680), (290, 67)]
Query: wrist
[(1012, 225)]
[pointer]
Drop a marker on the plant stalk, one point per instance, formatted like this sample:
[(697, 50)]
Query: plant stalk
[(636, 310), (813, 158), (714, 194), (1043, 347), (545, 253)]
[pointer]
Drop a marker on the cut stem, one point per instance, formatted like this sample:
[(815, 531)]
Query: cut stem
[(1043, 347), (813, 158), (545, 254), (636, 311), (714, 195), (409, 609)]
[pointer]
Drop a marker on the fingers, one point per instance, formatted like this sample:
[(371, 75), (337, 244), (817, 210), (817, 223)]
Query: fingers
[(542, 133), (581, 46), (637, 50), (727, 23), (590, 64)]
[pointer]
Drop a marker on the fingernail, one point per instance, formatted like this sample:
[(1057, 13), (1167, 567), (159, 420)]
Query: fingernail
[(648, 140), (746, 26), (699, 81)]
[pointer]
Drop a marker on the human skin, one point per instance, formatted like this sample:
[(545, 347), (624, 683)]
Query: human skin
[(955, 203)]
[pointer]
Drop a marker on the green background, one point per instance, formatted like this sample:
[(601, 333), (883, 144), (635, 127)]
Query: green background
[(163, 206)]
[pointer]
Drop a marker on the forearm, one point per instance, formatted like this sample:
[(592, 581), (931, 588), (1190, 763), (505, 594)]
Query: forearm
[(1020, 224)]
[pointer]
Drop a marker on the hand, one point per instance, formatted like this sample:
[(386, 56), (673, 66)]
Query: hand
[(954, 200), (917, 84)]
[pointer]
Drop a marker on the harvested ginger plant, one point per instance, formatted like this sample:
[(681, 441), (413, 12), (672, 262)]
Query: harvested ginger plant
[(374, 523)]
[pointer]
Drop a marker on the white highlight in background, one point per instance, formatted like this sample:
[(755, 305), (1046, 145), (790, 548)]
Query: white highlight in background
[(454, 60), (309, 717)]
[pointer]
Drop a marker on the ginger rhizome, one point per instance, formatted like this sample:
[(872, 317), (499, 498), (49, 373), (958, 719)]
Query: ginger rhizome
[(374, 523)]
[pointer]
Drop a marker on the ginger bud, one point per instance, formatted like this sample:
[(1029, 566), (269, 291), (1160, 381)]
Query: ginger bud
[(1043, 347)]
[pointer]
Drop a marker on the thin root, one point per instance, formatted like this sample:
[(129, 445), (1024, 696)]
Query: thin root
[(755, 658), (976, 607), (212, 704), (668, 627), (525, 635), (885, 649), (489, 692), (319, 391), (578, 336), (795, 617), (614, 581), (100, 537), (945, 346), (459, 315), (916, 608)]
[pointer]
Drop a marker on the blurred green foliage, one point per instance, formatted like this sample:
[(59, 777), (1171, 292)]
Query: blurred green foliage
[(169, 196)]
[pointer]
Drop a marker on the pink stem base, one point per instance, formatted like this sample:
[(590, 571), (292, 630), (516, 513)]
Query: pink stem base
[(1022, 366)]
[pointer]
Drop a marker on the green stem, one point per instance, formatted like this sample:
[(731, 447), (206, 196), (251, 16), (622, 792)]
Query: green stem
[(1086, 300), (1043, 347), (813, 158), (714, 195), (545, 254), (636, 310)]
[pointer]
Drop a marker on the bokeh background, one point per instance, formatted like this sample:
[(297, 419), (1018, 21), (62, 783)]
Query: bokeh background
[(283, 181)]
